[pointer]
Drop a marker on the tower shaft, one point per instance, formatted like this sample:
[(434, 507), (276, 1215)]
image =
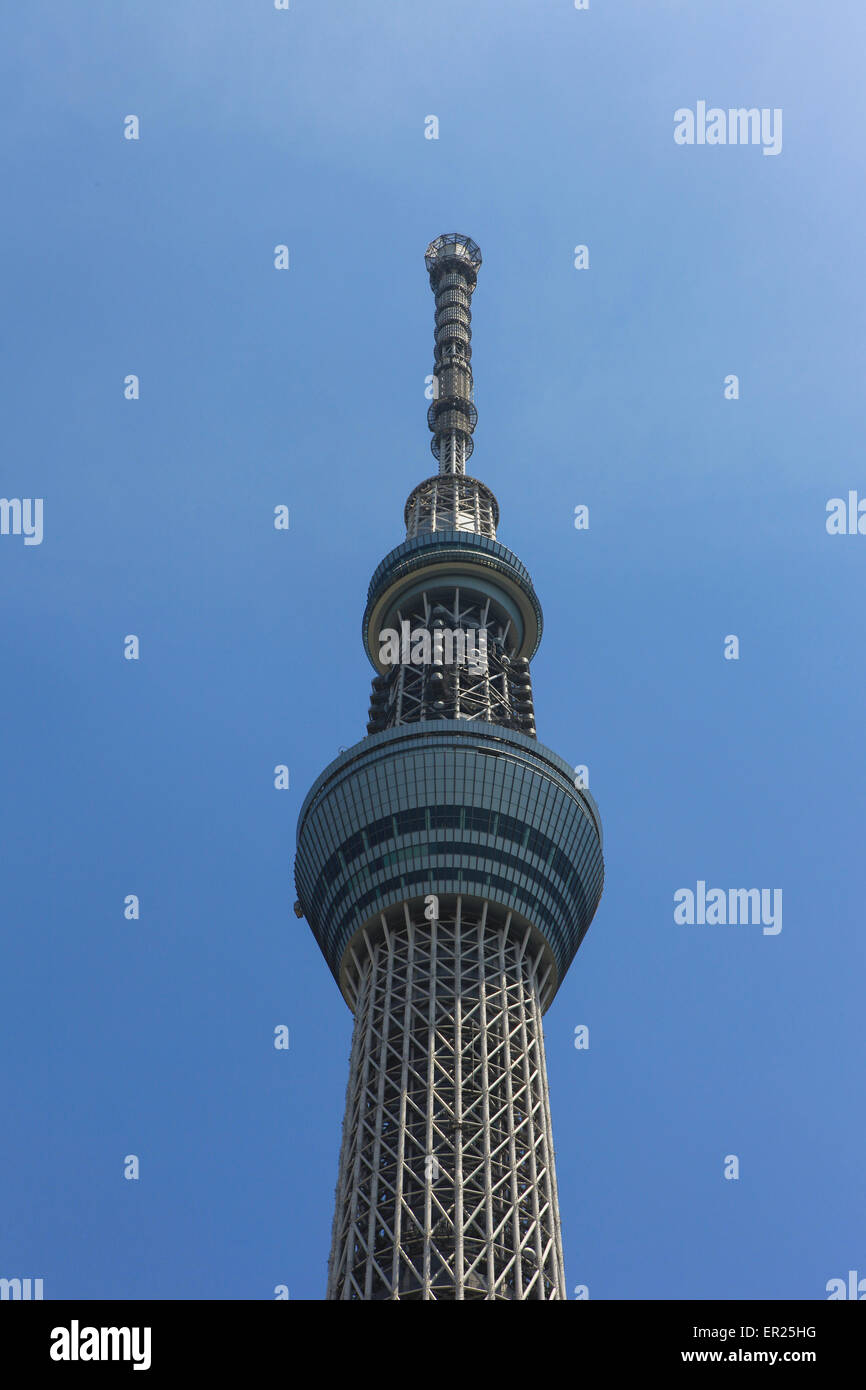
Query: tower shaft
[(447, 1186)]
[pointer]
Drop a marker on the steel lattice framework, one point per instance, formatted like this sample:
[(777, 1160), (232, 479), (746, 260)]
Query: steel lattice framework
[(449, 867), (496, 689), (447, 1186)]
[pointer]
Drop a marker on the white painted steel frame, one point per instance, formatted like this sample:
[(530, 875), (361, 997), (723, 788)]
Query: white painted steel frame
[(447, 1187)]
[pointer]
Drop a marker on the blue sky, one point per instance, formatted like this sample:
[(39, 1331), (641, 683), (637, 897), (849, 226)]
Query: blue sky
[(306, 387)]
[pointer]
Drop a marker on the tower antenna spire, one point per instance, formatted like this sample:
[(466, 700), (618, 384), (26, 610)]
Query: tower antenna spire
[(452, 501), (453, 261)]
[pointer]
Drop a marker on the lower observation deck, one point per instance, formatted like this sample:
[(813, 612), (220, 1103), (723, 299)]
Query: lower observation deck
[(449, 807)]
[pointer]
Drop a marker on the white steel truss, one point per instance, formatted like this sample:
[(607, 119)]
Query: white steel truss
[(492, 685), (451, 503), (447, 1188)]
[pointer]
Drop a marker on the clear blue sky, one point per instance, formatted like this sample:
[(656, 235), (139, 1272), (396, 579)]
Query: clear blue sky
[(306, 387)]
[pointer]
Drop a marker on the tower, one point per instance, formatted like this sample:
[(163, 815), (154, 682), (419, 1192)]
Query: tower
[(449, 868)]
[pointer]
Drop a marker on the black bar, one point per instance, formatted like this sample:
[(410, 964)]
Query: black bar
[(221, 1338)]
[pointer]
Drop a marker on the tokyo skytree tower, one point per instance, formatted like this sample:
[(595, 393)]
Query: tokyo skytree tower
[(449, 868)]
